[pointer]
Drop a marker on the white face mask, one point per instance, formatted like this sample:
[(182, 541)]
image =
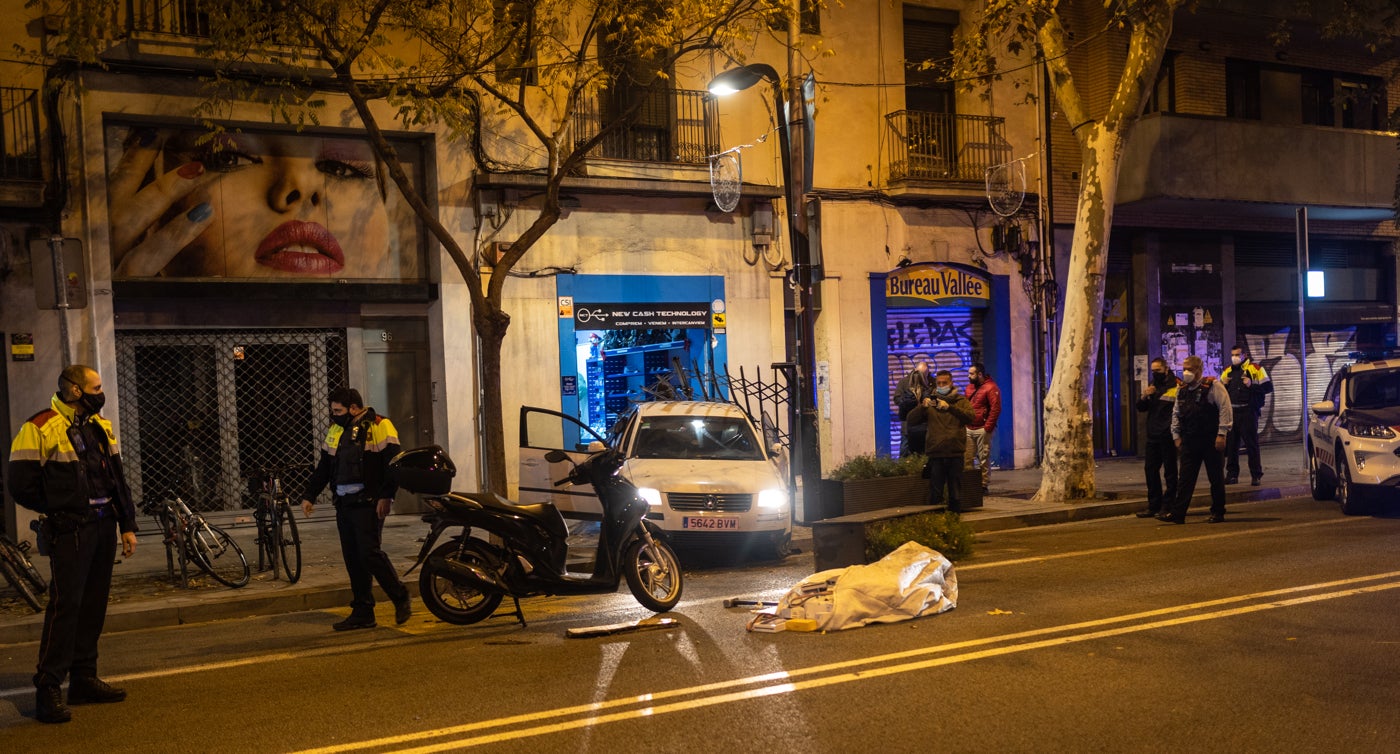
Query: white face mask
[(1189, 376), (1236, 360)]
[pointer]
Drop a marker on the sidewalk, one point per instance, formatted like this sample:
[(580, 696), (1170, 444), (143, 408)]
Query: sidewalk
[(144, 597)]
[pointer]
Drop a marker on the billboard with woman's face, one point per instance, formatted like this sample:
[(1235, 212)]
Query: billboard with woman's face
[(184, 203)]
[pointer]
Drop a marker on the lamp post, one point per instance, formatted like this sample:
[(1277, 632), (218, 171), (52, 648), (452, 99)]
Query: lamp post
[(801, 355)]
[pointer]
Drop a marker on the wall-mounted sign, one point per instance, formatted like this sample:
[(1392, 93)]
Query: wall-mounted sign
[(21, 346), (624, 316), (936, 285)]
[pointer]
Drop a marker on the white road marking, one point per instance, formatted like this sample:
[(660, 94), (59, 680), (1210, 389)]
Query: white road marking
[(784, 682)]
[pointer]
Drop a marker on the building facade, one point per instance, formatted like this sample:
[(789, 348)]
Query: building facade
[(220, 324), (1241, 131)]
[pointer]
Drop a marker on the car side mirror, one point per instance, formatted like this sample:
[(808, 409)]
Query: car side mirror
[(1324, 408)]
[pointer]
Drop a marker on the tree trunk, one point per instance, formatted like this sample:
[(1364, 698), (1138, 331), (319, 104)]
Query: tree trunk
[(1068, 465), (491, 324)]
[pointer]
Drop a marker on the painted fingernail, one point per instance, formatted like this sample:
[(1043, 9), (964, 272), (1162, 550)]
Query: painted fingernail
[(191, 170), (200, 213)]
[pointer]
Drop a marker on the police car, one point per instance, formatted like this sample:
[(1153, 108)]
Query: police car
[(1354, 437)]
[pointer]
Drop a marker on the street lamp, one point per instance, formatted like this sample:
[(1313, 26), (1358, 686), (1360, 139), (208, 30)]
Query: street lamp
[(801, 364)]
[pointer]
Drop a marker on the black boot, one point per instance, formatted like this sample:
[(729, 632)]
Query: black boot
[(93, 690), (49, 706)]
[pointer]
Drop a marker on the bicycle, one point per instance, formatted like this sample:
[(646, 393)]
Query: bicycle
[(189, 538), (21, 573), (279, 544)]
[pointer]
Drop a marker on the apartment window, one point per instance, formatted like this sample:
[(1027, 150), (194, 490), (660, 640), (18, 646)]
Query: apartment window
[(1162, 98), (809, 18), (1280, 94), (1242, 89), (928, 51), (515, 20)]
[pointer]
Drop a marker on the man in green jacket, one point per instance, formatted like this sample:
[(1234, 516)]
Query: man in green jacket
[(947, 412)]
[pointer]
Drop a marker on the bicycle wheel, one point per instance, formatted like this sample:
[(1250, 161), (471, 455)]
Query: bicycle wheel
[(19, 556), (216, 552), (270, 536), (288, 540), (21, 584)]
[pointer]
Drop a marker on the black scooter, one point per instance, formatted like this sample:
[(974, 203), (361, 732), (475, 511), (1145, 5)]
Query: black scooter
[(464, 580)]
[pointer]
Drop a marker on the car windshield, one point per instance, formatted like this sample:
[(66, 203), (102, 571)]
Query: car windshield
[(696, 438), (1379, 388)]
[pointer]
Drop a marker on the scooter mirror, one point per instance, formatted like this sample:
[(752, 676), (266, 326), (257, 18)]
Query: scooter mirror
[(595, 446), (555, 456)]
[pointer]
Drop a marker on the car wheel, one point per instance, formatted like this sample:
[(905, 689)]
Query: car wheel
[(1322, 489), (1346, 491)]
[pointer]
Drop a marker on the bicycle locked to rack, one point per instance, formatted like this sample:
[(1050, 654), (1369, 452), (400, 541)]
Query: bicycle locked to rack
[(21, 573), (189, 538), (279, 542)]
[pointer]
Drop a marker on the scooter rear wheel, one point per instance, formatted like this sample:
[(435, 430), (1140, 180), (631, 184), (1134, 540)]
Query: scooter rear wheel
[(455, 603), (653, 574)]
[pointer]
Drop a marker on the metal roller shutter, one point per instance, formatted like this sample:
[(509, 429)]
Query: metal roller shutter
[(948, 337)]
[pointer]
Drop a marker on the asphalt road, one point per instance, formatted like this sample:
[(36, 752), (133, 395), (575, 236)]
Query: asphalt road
[(1273, 632)]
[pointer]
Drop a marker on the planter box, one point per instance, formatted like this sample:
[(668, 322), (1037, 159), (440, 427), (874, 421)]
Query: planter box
[(840, 542), (851, 496), (844, 498)]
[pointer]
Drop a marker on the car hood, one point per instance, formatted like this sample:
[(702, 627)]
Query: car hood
[(670, 475), (1387, 417)]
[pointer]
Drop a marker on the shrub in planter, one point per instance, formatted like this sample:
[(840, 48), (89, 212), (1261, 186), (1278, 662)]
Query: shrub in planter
[(874, 467), (944, 532), (870, 482)]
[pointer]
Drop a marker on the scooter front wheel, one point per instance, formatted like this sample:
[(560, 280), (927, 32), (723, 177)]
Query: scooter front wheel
[(653, 574), (457, 603)]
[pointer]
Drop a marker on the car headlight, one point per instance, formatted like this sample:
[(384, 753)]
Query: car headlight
[(1373, 431), (772, 499), (651, 495)]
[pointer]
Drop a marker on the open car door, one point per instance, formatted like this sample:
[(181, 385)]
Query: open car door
[(543, 430)]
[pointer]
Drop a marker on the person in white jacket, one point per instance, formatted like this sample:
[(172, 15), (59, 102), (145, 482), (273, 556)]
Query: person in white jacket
[(1200, 421)]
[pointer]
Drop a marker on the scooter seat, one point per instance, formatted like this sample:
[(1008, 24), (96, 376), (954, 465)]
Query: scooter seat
[(545, 513)]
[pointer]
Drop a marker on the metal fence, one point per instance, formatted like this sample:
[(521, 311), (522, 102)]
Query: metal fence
[(945, 146), (181, 17), (201, 410), (19, 134), (668, 125)]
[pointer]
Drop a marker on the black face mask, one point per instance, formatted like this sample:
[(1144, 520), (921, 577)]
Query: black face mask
[(1160, 379), (343, 419), (92, 403)]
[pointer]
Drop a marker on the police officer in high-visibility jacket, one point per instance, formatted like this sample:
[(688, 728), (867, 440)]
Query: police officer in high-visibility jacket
[(355, 461), (65, 464), (1247, 383)]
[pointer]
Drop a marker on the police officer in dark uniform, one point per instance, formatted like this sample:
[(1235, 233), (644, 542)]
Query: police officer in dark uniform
[(1199, 425), (355, 461), (1247, 383), (1158, 401), (65, 463)]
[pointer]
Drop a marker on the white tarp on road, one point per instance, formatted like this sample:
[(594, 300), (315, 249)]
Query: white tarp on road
[(909, 582)]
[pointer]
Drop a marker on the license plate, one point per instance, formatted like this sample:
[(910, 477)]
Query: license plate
[(709, 522)]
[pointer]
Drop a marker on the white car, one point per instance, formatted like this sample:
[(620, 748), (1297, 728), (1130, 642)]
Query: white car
[(705, 471), (703, 466), (1353, 439)]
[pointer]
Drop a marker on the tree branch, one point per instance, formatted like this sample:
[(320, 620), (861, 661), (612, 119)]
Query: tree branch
[(1055, 44)]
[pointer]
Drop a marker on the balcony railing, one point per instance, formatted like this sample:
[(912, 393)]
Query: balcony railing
[(183, 18), (19, 135), (944, 146), (669, 125)]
